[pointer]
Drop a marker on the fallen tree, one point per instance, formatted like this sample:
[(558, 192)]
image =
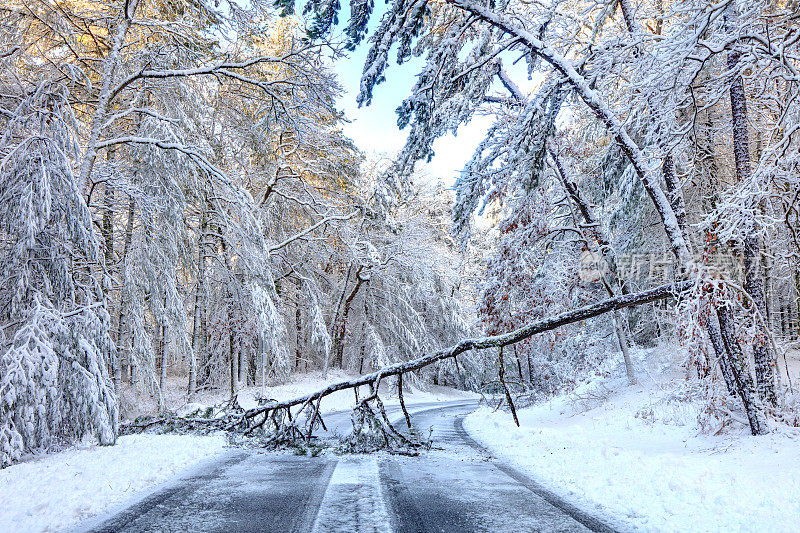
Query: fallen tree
[(276, 420)]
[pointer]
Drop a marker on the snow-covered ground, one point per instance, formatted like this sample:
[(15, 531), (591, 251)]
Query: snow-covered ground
[(53, 492), (637, 455), (790, 365), (301, 384), (297, 385)]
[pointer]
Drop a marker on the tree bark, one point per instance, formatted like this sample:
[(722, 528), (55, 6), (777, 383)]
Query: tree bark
[(340, 328), (754, 282), (402, 401), (797, 301), (622, 338), (627, 15), (715, 336), (241, 358), (107, 227), (229, 309), (501, 375), (739, 372), (122, 335), (298, 322), (198, 333), (674, 192), (162, 354)]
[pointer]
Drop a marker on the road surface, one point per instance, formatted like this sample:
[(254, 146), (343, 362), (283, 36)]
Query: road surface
[(455, 487)]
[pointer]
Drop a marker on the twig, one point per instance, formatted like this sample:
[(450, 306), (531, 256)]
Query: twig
[(402, 402), (501, 372)]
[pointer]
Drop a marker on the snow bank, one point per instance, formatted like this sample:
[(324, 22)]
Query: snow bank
[(56, 491), (301, 384), (296, 385), (637, 456)]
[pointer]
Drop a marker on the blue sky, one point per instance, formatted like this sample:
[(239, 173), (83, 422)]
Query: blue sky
[(374, 128)]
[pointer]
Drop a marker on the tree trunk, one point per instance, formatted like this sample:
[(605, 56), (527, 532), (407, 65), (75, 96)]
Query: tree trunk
[(340, 324), (241, 357), (233, 363), (232, 352), (530, 367), (715, 336), (298, 322), (627, 16), (623, 344), (608, 255), (162, 354), (754, 281), (108, 220), (501, 377), (782, 314), (519, 364), (336, 317), (104, 98), (122, 335), (107, 228), (796, 331), (674, 192), (198, 333), (769, 291), (739, 371)]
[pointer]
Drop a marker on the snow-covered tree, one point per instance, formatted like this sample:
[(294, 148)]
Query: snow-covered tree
[(55, 346), (609, 64)]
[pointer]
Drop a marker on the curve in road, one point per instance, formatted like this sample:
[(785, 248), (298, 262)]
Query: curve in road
[(455, 487)]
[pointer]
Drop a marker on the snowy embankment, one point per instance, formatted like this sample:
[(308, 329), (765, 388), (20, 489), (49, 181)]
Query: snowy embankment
[(54, 492), (303, 384), (296, 385), (636, 455)]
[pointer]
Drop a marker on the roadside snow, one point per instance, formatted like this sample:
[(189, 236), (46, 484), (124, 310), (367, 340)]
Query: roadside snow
[(297, 385), (636, 455), (56, 491)]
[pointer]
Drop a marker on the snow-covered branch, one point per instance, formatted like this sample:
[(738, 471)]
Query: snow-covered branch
[(310, 229)]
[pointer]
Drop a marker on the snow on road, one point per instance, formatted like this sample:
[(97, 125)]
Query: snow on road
[(637, 455), (452, 488), (54, 492), (353, 500)]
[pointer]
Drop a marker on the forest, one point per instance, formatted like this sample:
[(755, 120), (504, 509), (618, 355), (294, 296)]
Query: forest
[(181, 209)]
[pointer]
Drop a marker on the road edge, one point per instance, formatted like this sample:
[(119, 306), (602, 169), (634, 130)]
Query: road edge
[(578, 514)]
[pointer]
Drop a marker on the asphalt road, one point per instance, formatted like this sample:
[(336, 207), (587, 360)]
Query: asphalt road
[(455, 487)]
